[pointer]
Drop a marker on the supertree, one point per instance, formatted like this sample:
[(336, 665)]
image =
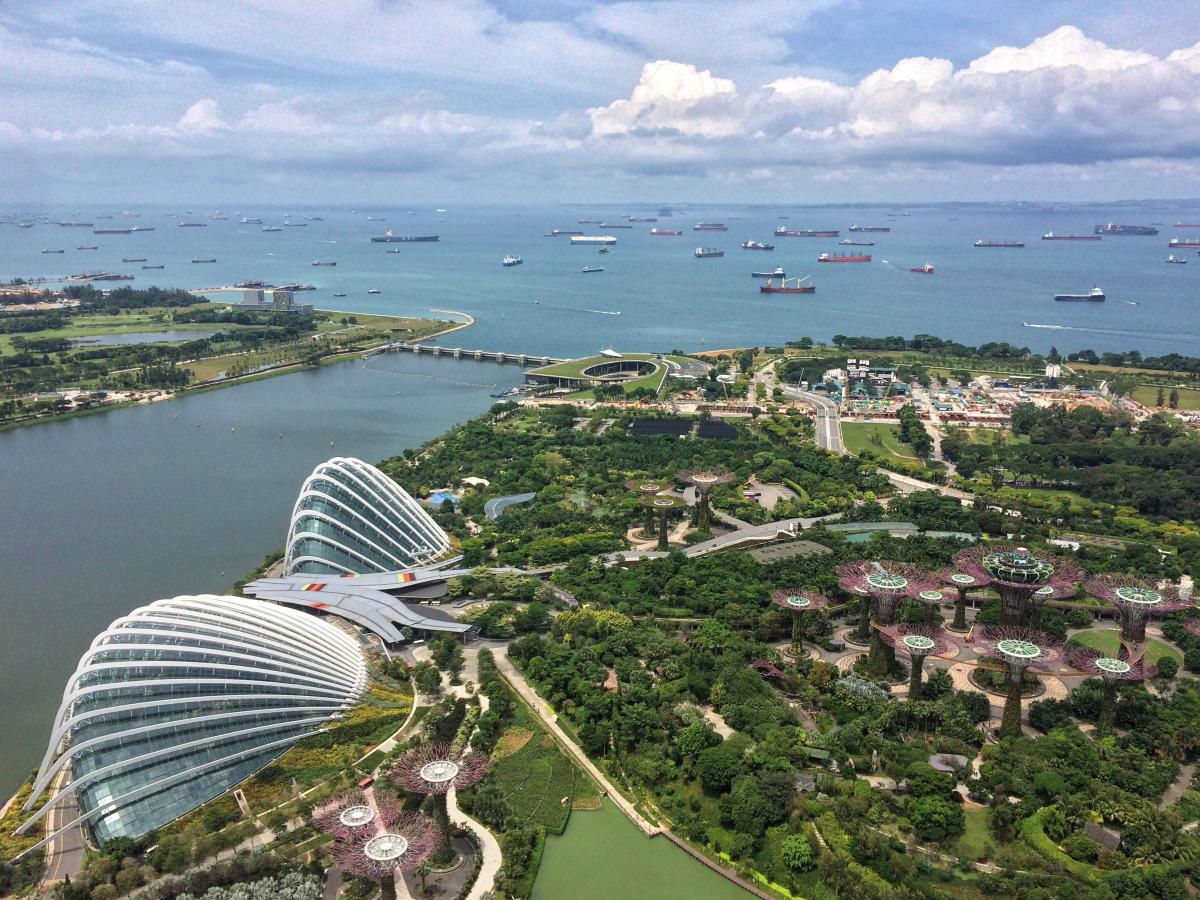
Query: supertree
[(931, 600), (800, 604), (1112, 672), (882, 585), (373, 837), (1136, 601), (1023, 580), (961, 582), (1019, 649), (646, 487), (664, 505), (919, 642), (433, 770), (703, 480)]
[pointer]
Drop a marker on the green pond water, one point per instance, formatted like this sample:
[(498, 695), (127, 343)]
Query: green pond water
[(602, 855)]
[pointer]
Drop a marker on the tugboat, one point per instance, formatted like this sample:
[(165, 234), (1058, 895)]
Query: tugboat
[(926, 269), (509, 261), (851, 257), (1095, 295), (796, 287), (778, 273), (665, 232), (707, 253), (587, 270), (757, 245), (1177, 260)]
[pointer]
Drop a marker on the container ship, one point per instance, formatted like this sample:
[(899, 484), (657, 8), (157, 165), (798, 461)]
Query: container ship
[(1095, 295), (665, 232), (873, 229), (1051, 236), (1135, 230), (708, 253), (805, 232), (1184, 242), (389, 238), (709, 226), (846, 257), (796, 287), (778, 273), (1000, 244), (757, 245), (592, 239)]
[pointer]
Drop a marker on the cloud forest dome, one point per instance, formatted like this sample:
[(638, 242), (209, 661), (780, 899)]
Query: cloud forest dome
[(183, 698), (351, 518)]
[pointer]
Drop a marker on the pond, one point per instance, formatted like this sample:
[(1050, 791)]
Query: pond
[(171, 336), (602, 855)]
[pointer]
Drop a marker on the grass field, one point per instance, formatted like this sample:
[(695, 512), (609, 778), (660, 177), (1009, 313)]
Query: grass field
[(860, 436), (975, 834), (1106, 640), (988, 436), (1147, 395)]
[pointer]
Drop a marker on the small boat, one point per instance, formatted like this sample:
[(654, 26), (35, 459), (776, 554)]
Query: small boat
[(778, 273), (339, 295), (707, 252), (133, 259), (847, 257), (1095, 295), (757, 245), (509, 261), (54, 251), (206, 259), (374, 291), (1177, 260), (796, 287), (849, 243), (153, 267), (665, 232), (587, 270), (87, 248), (319, 262), (926, 269), (604, 250)]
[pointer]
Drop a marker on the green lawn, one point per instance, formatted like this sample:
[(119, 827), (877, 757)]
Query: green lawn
[(988, 436), (879, 438), (1147, 395), (975, 835), (1106, 640)]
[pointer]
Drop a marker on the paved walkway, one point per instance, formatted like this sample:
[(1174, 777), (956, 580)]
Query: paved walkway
[(490, 847), (65, 852)]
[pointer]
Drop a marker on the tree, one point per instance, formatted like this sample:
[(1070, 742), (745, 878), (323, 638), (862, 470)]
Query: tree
[(935, 819), (427, 678), (1168, 666), (1173, 400), (718, 766), (796, 854), (923, 780), (1161, 398)]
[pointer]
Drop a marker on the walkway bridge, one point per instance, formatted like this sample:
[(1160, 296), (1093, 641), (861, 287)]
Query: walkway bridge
[(500, 356)]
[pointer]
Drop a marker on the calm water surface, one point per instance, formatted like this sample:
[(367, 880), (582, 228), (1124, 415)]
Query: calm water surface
[(103, 513)]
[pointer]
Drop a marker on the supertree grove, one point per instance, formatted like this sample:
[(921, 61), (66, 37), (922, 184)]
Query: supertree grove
[(1136, 600), (1113, 672), (434, 770), (1019, 649), (646, 487), (373, 837), (961, 582), (703, 480), (664, 505), (800, 604), (1023, 580), (881, 586), (931, 600), (919, 642)]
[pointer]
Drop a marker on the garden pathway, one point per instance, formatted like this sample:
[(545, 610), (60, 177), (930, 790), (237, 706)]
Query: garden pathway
[(1182, 782), (489, 846)]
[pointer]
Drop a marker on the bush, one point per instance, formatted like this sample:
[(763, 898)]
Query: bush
[(1046, 715), (935, 819), (1081, 848), (1168, 666)]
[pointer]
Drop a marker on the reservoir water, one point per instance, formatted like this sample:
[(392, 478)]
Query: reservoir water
[(103, 513)]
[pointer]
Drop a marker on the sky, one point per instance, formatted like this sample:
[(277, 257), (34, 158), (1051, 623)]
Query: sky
[(796, 101)]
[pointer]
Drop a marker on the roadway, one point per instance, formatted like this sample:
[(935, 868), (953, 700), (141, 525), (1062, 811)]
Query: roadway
[(64, 852)]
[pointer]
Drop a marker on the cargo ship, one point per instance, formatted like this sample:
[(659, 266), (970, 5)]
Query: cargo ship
[(665, 232), (592, 239), (848, 257), (142, 228), (1000, 244), (113, 231), (133, 259), (1095, 295), (559, 232), (588, 270), (590, 221), (1051, 236), (153, 267), (873, 229), (611, 225), (778, 273), (322, 262), (926, 269), (1177, 260), (207, 259), (757, 245), (1135, 230), (192, 224), (1187, 224), (270, 229), (805, 232), (389, 238), (75, 225), (1184, 242), (709, 226), (796, 287), (642, 219), (849, 243), (707, 253), (87, 248), (54, 251), (250, 222)]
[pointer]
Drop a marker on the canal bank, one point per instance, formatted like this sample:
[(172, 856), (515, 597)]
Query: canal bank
[(100, 514)]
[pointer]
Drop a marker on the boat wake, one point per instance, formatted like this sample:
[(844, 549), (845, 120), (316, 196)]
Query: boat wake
[(1055, 327), (598, 312), (1118, 331), (378, 371)]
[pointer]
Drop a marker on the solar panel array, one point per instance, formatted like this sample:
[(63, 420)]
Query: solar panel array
[(719, 431), (670, 427)]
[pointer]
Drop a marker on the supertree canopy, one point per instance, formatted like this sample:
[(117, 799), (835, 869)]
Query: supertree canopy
[(1193, 626), (799, 604), (961, 582), (703, 480), (1020, 577), (373, 837), (882, 584), (1136, 601), (1113, 671), (433, 770), (931, 600), (919, 642), (1020, 649), (664, 505), (647, 487)]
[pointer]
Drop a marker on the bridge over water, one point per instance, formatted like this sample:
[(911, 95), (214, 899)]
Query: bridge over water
[(500, 356)]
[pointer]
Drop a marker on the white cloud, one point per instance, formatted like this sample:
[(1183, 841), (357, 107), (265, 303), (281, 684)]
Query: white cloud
[(201, 117), (671, 97)]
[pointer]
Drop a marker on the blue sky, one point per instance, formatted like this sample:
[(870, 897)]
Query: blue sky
[(459, 100)]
